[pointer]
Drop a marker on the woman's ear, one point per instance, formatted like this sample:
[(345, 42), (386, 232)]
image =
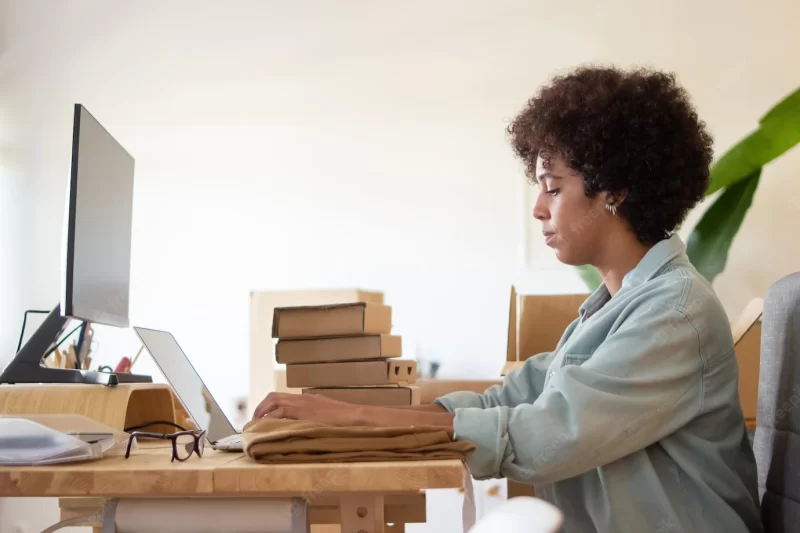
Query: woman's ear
[(615, 198)]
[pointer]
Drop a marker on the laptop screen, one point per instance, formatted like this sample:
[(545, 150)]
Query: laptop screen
[(187, 383)]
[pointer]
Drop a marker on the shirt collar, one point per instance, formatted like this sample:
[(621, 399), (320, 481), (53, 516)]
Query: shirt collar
[(653, 261)]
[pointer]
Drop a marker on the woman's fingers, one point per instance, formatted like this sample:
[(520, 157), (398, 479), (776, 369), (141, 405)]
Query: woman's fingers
[(307, 407), (266, 405), (273, 401), (278, 412)]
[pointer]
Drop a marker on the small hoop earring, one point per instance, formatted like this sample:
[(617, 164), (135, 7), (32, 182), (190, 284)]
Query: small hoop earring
[(612, 209)]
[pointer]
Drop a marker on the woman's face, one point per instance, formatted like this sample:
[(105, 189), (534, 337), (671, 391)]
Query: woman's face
[(572, 223)]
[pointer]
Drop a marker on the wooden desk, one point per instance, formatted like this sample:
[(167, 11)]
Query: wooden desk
[(359, 496), (149, 472)]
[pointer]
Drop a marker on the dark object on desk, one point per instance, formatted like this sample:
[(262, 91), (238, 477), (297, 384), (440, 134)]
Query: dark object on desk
[(155, 423), (97, 255), (79, 346), (25, 322), (26, 366), (183, 442)]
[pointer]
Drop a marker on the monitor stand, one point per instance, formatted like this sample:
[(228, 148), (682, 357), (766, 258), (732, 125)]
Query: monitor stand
[(26, 366)]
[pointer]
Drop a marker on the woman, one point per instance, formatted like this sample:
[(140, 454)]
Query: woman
[(633, 423)]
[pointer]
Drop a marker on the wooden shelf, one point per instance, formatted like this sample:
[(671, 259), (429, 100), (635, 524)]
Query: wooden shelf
[(124, 405)]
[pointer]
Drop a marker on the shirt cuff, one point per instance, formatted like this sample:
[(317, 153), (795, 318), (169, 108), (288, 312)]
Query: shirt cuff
[(488, 430), (459, 399)]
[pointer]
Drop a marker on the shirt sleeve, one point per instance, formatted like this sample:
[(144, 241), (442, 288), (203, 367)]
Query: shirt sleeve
[(522, 385), (642, 383)]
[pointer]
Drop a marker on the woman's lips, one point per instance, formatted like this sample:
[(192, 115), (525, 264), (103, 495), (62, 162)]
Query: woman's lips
[(548, 236)]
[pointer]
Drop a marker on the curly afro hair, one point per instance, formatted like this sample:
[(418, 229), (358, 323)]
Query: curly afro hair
[(624, 131)]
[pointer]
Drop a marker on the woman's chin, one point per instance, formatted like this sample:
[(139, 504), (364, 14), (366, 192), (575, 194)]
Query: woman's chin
[(564, 256)]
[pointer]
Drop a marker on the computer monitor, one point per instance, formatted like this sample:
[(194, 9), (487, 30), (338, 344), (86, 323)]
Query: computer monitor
[(97, 273), (97, 252)]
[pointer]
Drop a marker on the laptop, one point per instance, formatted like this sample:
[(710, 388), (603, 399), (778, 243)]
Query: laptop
[(191, 390)]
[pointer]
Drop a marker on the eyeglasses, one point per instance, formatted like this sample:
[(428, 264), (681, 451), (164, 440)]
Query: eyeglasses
[(183, 442)]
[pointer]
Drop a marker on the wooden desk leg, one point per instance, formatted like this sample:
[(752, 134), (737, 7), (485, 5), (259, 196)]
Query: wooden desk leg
[(362, 513), (74, 507)]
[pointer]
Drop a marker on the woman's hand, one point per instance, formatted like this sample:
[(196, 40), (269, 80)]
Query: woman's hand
[(309, 407), (321, 409)]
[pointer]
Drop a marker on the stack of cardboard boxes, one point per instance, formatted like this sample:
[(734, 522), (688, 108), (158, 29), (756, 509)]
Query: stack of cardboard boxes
[(345, 352)]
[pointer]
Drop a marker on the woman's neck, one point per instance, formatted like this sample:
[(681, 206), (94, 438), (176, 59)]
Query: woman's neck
[(622, 252)]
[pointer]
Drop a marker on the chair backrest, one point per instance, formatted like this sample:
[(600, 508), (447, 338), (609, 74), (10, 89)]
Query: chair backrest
[(521, 515), (777, 438)]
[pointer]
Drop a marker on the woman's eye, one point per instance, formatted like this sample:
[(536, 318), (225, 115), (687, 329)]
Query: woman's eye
[(553, 192)]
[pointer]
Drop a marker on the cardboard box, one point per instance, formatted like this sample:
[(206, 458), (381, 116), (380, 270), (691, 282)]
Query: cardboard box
[(536, 323), (263, 378), (430, 389), (515, 490), (380, 396), (331, 320), (391, 371), (338, 349), (746, 332), (280, 383)]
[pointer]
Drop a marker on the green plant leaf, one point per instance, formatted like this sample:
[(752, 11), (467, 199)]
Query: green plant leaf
[(590, 276), (711, 239), (789, 106), (779, 131)]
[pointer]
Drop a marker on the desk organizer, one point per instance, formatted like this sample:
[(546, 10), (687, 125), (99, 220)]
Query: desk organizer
[(125, 405)]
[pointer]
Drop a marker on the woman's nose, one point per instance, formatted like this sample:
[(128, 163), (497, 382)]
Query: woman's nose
[(540, 211)]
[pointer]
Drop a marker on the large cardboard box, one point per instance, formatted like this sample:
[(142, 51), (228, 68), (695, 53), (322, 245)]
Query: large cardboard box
[(358, 318), (388, 372), (387, 396), (262, 346), (536, 323), (515, 490), (746, 332), (338, 349)]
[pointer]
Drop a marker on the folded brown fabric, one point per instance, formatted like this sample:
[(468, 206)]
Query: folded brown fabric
[(271, 440)]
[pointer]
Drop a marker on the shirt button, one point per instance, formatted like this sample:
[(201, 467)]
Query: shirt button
[(552, 374)]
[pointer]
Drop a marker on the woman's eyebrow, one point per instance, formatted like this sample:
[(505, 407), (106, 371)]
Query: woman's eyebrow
[(547, 175)]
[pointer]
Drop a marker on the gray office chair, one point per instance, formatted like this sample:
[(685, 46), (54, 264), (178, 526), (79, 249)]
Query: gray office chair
[(777, 438)]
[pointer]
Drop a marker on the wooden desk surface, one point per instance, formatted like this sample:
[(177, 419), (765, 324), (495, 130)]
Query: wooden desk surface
[(149, 472)]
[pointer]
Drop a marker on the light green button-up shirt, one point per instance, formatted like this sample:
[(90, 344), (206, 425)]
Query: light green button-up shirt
[(633, 424)]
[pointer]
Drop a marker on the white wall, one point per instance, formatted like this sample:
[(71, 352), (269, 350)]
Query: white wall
[(329, 145), (321, 144), (12, 194)]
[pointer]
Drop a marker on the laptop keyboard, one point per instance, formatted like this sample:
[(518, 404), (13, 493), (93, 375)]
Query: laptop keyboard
[(231, 439)]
